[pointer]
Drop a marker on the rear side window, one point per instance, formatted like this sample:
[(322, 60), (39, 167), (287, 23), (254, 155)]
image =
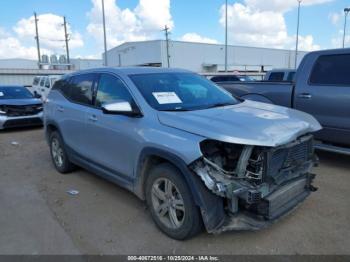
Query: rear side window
[(110, 89), (81, 88), (276, 76), (331, 70), (36, 81), (62, 86)]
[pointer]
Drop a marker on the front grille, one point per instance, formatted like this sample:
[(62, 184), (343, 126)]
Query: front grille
[(23, 122), (25, 110), (284, 199), (285, 159)]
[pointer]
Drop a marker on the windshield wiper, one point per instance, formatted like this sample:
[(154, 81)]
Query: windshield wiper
[(220, 105), (175, 110)]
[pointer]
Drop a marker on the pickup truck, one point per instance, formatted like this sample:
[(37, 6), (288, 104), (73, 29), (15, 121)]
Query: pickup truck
[(321, 88)]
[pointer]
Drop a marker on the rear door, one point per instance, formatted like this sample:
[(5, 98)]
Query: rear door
[(71, 112), (326, 95)]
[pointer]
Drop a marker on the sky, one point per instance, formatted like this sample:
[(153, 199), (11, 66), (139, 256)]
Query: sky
[(261, 23)]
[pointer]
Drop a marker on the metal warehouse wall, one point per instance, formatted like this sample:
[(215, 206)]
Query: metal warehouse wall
[(135, 53), (25, 76), (16, 79), (201, 57)]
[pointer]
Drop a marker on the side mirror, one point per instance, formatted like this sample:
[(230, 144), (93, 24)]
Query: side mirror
[(121, 108), (36, 95)]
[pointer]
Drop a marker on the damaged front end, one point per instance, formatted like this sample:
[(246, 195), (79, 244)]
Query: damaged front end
[(256, 184)]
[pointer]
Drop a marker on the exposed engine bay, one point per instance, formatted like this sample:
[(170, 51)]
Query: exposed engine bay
[(262, 181)]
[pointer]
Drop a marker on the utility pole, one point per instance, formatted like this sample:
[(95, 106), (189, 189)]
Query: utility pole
[(226, 36), (346, 12), (297, 40), (66, 38), (166, 30), (37, 39), (104, 33)]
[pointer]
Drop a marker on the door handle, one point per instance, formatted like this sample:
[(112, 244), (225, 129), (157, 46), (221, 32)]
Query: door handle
[(305, 96), (93, 118), (60, 109)]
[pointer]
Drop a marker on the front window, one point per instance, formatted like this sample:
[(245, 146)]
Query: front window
[(15, 93), (111, 89), (181, 91)]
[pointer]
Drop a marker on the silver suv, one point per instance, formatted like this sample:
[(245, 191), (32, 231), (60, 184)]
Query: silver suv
[(197, 155)]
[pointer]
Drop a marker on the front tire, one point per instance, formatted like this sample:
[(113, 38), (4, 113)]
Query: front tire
[(171, 203), (59, 155)]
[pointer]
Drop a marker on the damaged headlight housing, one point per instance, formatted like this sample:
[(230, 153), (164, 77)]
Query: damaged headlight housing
[(225, 167)]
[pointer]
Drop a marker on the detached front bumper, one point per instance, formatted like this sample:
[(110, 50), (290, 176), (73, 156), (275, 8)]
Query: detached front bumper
[(21, 121), (270, 209)]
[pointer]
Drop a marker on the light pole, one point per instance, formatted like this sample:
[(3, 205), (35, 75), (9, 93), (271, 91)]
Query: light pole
[(346, 12), (104, 32), (297, 39), (226, 36)]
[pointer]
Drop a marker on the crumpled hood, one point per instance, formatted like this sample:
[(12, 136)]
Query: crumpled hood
[(248, 123), (20, 102)]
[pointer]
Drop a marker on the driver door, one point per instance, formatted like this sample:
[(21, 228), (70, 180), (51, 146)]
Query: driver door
[(113, 138)]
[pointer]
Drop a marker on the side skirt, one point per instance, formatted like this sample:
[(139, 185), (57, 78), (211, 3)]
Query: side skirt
[(104, 172)]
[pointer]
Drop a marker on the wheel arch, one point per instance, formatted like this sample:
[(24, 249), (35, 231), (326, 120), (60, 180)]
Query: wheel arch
[(211, 206)]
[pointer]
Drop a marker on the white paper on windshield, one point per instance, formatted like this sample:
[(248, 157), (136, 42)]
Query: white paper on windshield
[(1, 94), (167, 98)]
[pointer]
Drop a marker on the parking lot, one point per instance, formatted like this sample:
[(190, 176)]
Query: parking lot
[(38, 216)]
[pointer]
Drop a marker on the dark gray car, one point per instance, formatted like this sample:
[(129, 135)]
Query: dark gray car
[(19, 108), (321, 88)]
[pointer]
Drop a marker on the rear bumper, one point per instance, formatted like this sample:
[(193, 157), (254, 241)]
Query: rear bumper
[(21, 121)]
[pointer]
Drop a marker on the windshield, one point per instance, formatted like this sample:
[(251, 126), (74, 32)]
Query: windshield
[(14, 92), (181, 91)]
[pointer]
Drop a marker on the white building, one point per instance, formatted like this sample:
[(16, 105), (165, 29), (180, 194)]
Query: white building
[(22, 71), (200, 57)]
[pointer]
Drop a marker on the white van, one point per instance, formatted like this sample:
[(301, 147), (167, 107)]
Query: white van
[(43, 84)]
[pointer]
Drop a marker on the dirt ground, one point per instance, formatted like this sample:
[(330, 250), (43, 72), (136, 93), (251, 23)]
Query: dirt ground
[(38, 216)]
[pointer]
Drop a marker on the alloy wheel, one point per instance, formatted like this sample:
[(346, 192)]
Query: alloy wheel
[(168, 203)]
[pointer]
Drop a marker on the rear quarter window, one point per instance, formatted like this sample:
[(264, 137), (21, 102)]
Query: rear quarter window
[(331, 70)]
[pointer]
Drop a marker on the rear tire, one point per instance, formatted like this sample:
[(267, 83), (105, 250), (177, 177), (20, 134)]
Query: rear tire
[(171, 203), (59, 155)]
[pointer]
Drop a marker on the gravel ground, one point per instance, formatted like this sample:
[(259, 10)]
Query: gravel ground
[(38, 216)]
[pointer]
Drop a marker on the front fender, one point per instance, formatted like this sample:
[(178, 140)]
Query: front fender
[(211, 206)]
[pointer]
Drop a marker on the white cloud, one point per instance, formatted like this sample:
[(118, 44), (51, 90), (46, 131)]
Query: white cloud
[(337, 41), (11, 47), (281, 5), (51, 32), (142, 23), (262, 23), (20, 42), (335, 17), (194, 37)]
